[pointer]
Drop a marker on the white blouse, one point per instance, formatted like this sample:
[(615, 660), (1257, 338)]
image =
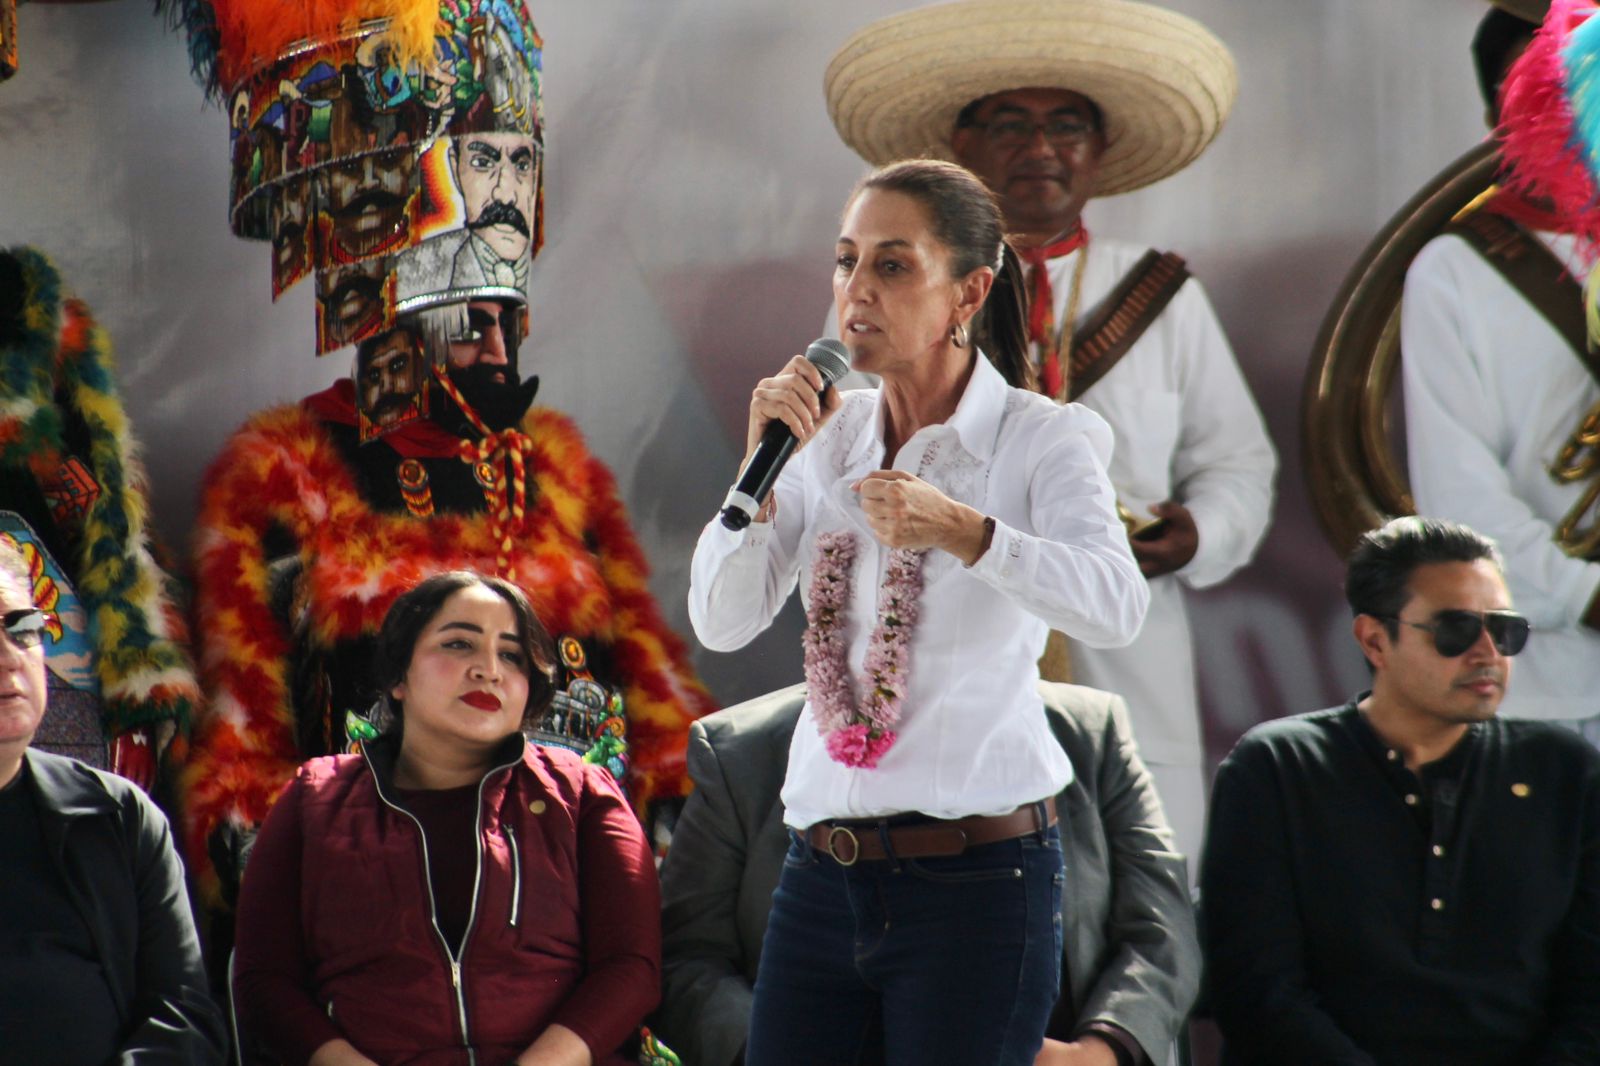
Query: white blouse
[(973, 738)]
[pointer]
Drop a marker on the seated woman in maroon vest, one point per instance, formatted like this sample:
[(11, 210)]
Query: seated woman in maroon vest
[(452, 894)]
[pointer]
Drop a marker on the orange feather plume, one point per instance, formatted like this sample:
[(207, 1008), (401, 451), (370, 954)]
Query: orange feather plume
[(251, 33)]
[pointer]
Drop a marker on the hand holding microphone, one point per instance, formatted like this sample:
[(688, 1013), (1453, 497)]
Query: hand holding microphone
[(785, 411)]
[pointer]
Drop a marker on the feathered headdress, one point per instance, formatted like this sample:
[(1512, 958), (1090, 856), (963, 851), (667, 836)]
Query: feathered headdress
[(1550, 129)]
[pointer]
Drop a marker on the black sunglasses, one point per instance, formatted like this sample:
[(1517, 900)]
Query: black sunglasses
[(25, 628), (1456, 631)]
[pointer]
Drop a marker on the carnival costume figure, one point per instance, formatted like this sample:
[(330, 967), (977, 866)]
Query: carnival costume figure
[(394, 151), (72, 501)]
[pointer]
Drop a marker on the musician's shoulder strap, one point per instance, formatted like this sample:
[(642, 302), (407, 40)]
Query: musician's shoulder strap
[(1533, 270), (1105, 336)]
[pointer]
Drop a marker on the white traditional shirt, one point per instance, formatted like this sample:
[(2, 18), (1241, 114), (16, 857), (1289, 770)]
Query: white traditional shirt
[(973, 738), (1187, 429), (1492, 391)]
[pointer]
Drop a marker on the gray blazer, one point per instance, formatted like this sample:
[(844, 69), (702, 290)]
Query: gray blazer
[(1131, 954)]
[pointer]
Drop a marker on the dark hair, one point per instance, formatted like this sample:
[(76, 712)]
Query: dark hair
[(1499, 35), (411, 613), (1377, 580), (966, 219)]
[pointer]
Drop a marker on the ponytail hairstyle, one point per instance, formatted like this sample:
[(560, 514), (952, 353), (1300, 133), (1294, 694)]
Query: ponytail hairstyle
[(966, 220)]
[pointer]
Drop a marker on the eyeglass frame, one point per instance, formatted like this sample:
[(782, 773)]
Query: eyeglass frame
[(1480, 617), (1090, 127)]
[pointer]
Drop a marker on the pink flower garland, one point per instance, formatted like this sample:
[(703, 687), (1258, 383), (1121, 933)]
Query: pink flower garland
[(859, 734)]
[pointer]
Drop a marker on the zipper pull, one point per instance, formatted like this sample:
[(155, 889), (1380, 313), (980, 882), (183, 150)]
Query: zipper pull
[(455, 975)]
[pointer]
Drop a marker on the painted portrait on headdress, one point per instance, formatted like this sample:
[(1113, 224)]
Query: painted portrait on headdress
[(353, 303), (391, 381)]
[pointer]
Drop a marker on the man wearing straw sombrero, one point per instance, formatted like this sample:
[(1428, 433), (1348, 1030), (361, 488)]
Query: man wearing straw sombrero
[(1053, 102)]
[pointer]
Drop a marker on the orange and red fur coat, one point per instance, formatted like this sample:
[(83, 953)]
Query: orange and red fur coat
[(283, 475)]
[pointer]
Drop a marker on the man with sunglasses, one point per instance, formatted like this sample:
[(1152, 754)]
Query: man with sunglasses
[(1408, 880), (99, 961)]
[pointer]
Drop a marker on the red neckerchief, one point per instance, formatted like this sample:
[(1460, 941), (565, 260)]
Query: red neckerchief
[(1042, 304), (421, 439)]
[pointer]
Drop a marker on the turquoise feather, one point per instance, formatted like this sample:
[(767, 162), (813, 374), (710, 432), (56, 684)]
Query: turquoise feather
[(1581, 57)]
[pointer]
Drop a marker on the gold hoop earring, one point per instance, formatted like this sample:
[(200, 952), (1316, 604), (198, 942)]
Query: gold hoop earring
[(958, 335)]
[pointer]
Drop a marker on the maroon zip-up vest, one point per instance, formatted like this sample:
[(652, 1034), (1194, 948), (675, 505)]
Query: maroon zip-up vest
[(380, 967)]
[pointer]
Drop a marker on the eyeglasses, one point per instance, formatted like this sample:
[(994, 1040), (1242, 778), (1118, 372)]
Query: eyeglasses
[(25, 628), (1060, 131), (1456, 631)]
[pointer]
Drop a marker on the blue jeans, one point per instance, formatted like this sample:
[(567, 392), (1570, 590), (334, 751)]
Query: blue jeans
[(911, 962)]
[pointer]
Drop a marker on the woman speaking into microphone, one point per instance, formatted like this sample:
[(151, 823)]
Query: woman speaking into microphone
[(939, 526)]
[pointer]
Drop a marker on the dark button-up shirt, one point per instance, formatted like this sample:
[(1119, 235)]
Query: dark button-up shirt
[(1357, 912)]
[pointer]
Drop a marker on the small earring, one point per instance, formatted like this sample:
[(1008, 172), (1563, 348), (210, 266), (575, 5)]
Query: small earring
[(958, 335)]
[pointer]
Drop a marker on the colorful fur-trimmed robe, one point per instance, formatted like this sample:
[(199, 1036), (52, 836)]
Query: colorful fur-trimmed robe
[(283, 478), (62, 422)]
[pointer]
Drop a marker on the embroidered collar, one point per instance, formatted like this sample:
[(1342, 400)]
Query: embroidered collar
[(974, 425)]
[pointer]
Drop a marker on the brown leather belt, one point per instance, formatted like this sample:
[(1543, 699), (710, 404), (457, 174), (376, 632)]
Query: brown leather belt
[(849, 842)]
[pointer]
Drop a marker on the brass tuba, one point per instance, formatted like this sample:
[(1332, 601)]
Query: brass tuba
[(1355, 478), (1579, 459)]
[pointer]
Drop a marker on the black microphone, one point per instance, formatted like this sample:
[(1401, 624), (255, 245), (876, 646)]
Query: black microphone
[(832, 358)]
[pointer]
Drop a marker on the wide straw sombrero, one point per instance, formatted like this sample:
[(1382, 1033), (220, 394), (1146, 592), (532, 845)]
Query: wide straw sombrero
[(1163, 82)]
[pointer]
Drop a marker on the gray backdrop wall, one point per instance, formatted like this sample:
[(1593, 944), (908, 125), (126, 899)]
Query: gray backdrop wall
[(694, 184)]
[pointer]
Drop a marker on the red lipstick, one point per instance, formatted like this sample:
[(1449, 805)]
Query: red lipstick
[(484, 701)]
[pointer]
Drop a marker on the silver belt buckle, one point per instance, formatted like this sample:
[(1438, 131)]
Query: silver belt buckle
[(833, 849)]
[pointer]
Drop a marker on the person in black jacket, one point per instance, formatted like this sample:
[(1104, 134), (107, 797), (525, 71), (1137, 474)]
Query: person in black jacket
[(99, 961)]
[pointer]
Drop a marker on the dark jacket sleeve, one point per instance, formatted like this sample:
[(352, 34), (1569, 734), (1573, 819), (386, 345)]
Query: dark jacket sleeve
[(621, 902), (1250, 928), (705, 1011), (174, 1018), (1151, 973), (272, 973), (1575, 1031)]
